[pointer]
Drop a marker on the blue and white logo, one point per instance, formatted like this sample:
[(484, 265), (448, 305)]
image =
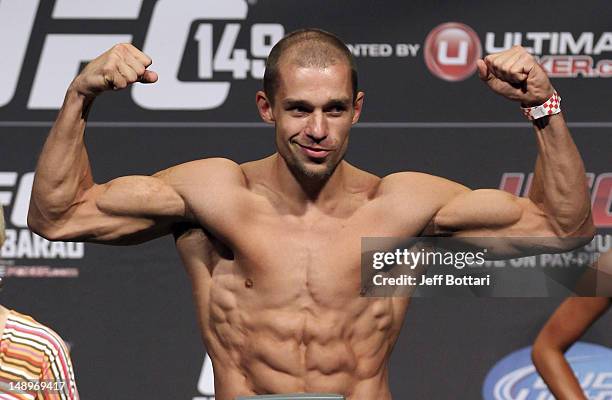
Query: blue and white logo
[(515, 378)]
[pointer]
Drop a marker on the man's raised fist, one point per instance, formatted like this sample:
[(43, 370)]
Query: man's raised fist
[(115, 69)]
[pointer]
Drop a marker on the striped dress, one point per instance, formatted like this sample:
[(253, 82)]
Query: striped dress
[(31, 353)]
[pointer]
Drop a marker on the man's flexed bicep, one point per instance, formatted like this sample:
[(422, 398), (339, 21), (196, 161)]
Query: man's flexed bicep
[(495, 213), (490, 212), (66, 204), (559, 203), (126, 210)]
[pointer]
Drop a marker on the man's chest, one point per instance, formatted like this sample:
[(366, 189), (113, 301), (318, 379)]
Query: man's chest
[(265, 235), (313, 249), (312, 257)]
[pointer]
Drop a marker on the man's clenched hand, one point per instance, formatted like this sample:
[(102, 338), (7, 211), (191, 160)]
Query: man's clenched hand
[(515, 74), (115, 69)]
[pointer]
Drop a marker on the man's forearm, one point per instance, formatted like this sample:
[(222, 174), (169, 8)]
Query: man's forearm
[(63, 172), (559, 185)]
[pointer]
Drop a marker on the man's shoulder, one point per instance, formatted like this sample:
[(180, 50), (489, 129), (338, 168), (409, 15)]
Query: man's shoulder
[(411, 181), (220, 171), (214, 164)]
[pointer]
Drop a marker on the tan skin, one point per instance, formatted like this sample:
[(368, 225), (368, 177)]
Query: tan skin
[(567, 324), (273, 246)]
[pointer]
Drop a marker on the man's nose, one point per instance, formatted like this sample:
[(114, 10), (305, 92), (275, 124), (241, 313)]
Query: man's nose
[(317, 127)]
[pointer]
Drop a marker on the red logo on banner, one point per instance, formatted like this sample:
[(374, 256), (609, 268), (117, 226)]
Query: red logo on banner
[(451, 51)]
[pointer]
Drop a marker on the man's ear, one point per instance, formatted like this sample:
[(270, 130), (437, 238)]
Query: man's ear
[(357, 106), (264, 107)]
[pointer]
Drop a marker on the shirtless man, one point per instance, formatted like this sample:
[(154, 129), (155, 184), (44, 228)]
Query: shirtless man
[(273, 246)]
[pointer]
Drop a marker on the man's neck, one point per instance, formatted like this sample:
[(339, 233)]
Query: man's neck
[(303, 191)]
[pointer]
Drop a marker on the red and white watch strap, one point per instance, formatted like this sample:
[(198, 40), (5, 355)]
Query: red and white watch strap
[(549, 107)]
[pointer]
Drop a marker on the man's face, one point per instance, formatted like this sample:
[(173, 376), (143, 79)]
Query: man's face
[(313, 113)]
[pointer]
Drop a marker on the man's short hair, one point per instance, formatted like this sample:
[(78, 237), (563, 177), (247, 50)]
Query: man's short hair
[(2, 237), (307, 48)]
